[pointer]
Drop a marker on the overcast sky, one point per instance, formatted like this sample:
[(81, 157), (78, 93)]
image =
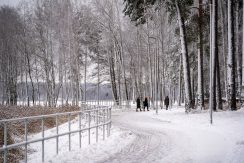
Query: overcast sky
[(9, 2)]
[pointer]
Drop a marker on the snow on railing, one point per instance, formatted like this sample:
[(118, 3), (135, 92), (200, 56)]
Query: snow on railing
[(100, 114)]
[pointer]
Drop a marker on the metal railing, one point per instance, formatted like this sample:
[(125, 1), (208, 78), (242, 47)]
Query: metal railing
[(100, 114), (108, 102)]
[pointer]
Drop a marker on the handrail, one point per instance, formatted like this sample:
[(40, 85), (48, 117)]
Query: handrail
[(45, 116), (47, 138)]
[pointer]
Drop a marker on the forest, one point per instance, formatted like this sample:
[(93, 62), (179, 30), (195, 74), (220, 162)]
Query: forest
[(122, 81), (189, 50)]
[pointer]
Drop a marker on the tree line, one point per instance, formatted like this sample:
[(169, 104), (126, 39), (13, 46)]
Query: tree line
[(189, 50)]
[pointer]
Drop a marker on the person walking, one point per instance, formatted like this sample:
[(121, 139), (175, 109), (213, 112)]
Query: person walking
[(138, 104), (166, 102), (145, 102)]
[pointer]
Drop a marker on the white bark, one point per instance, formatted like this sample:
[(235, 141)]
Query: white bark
[(242, 46), (98, 76), (231, 58), (186, 67), (200, 89), (85, 74), (180, 82), (214, 50)]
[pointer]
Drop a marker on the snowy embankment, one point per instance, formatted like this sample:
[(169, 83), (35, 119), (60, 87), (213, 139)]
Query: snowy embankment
[(169, 137), (87, 153)]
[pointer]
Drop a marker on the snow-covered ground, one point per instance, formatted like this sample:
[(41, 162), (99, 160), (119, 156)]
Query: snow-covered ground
[(169, 137)]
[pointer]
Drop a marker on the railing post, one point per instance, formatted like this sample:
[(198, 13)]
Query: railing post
[(89, 125), (80, 129), (107, 112), (26, 140), (109, 120), (69, 133), (5, 143), (57, 134), (97, 125), (103, 124), (94, 116), (86, 115), (42, 139)]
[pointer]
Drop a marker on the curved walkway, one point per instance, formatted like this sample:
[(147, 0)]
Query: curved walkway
[(152, 143), (175, 137)]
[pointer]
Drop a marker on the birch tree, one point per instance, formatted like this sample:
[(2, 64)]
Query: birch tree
[(200, 85), (231, 58), (11, 59)]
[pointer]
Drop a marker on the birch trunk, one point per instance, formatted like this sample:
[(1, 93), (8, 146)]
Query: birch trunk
[(238, 59), (186, 66), (214, 51), (231, 58), (150, 66), (219, 104), (162, 48), (192, 85), (180, 82), (200, 87), (112, 74), (85, 74), (224, 43), (242, 47), (98, 76), (26, 86), (122, 55)]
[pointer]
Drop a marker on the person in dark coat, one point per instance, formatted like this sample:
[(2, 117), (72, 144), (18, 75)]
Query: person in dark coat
[(138, 104), (145, 103), (166, 102)]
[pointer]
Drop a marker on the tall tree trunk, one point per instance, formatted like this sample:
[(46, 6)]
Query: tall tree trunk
[(149, 57), (242, 47), (219, 104), (213, 40), (112, 74), (27, 86), (30, 76), (224, 42), (200, 87), (53, 85), (238, 59), (162, 50), (180, 82), (122, 55), (186, 67), (214, 54), (98, 76), (231, 58), (85, 74), (192, 85)]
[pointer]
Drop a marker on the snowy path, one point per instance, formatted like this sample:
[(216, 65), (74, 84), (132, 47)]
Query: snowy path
[(147, 142), (152, 143), (176, 137)]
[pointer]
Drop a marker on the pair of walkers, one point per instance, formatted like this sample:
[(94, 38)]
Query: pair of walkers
[(145, 104)]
